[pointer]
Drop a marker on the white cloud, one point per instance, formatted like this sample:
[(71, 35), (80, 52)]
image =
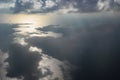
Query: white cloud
[(117, 1), (104, 5), (6, 5), (37, 5), (50, 4), (68, 9)]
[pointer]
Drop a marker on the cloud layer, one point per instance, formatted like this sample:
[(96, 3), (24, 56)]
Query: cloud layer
[(44, 6), (62, 6)]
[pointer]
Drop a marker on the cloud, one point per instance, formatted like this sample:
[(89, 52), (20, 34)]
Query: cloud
[(106, 5), (4, 1), (45, 6), (60, 6), (35, 5), (6, 5)]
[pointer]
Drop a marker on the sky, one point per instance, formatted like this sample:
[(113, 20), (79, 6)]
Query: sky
[(59, 39)]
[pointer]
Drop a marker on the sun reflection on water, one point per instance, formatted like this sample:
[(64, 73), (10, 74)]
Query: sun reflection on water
[(34, 20), (27, 26), (31, 20)]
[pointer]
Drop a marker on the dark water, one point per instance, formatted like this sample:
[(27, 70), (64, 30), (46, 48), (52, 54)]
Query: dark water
[(65, 47)]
